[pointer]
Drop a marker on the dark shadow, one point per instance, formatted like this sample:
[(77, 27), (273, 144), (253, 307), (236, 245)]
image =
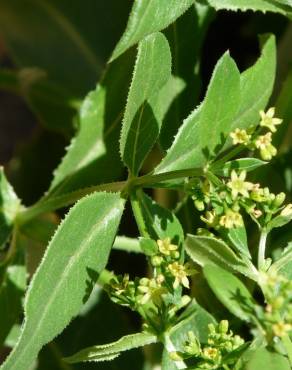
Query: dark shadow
[(90, 282), (243, 302)]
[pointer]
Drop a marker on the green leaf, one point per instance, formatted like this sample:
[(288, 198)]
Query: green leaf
[(107, 352), (154, 221), (147, 17), (143, 115), (284, 110), (242, 164), (238, 237), (75, 256), (205, 250), (243, 5), (9, 207), (12, 337), (279, 221), (256, 85), (109, 322), (94, 151), (230, 291), (262, 358), (185, 36), (196, 319), (11, 293), (193, 146), (283, 264)]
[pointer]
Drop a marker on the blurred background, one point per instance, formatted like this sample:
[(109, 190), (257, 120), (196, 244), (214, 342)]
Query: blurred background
[(53, 52)]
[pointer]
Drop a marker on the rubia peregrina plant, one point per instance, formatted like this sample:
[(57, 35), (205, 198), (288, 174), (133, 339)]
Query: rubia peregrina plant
[(216, 298)]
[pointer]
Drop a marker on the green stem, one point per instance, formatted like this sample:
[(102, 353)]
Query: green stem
[(262, 249), (124, 243), (48, 203), (172, 175), (288, 346)]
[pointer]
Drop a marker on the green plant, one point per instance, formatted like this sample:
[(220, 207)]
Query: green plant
[(197, 285)]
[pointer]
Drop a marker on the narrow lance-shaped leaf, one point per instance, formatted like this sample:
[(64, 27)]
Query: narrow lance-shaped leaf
[(283, 265), (279, 221), (109, 351), (155, 221), (238, 238), (210, 251), (143, 115), (284, 110), (76, 255), (243, 5), (256, 85), (94, 151), (11, 294), (148, 16), (9, 206), (193, 146), (242, 164), (230, 291), (109, 322), (185, 36)]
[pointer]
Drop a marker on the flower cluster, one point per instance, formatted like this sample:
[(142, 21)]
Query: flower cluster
[(253, 140), (276, 316), (225, 201), (216, 352), (159, 297)]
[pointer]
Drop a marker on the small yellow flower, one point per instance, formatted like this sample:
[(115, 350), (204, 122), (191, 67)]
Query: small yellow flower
[(165, 247), (210, 218), (152, 290), (280, 329), (181, 273), (211, 353), (287, 211), (231, 219), (120, 286), (268, 120), (238, 185), (264, 143), (239, 136)]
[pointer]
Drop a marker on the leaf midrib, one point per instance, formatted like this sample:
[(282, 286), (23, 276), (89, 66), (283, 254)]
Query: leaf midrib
[(105, 217)]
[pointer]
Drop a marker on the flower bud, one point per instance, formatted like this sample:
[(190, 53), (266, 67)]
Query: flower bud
[(156, 261), (185, 300), (211, 328), (279, 199), (174, 255), (160, 279), (144, 281), (199, 204), (286, 212), (223, 326)]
